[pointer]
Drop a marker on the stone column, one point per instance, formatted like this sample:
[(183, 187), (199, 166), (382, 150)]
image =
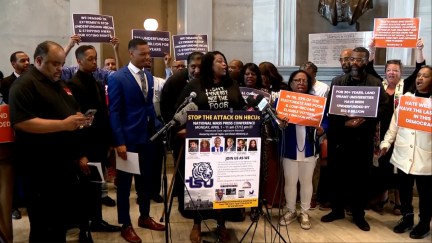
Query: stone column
[(195, 17)]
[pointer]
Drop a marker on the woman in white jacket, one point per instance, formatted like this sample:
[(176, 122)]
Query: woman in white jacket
[(412, 156)]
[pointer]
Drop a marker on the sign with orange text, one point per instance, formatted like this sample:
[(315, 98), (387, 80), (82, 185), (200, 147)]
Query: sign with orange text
[(301, 109), (396, 32), (6, 131), (415, 113)]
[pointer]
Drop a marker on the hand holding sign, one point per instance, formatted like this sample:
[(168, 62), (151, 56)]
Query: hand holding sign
[(420, 44), (354, 122), (114, 42)]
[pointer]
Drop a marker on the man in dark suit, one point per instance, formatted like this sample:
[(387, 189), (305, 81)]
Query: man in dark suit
[(169, 96), (20, 61), (133, 121), (90, 94)]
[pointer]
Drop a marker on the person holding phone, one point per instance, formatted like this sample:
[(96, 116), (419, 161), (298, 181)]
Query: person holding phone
[(50, 144)]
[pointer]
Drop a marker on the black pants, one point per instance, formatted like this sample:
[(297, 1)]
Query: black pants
[(48, 196), (405, 186), (90, 204), (350, 175)]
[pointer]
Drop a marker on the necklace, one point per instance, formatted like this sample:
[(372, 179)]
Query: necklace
[(303, 149), (304, 145)]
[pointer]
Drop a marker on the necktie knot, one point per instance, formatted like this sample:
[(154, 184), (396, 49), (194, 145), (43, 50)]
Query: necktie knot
[(141, 74)]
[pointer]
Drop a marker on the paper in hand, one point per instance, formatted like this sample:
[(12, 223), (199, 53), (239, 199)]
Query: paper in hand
[(96, 174), (131, 165)]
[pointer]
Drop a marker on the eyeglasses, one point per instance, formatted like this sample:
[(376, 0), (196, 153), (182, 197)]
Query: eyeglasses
[(352, 59), (300, 81)]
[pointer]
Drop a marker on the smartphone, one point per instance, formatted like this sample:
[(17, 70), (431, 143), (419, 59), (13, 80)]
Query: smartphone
[(90, 112)]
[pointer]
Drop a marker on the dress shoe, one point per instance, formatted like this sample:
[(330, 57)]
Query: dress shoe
[(16, 214), (332, 216), (149, 223), (325, 206), (223, 234), (158, 198), (421, 230), (405, 223), (313, 204), (128, 233), (397, 209), (102, 226), (361, 223), (107, 201), (195, 234), (85, 237)]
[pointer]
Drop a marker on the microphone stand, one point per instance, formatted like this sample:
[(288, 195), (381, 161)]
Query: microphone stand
[(258, 212), (165, 181), (164, 178)]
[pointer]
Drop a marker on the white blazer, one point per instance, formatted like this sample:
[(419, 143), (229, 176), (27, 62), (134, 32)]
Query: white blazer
[(412, 149)]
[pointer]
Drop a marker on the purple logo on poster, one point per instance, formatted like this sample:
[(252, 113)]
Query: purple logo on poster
[(93, 27), (186, 44), (245, 91), (158, 41)]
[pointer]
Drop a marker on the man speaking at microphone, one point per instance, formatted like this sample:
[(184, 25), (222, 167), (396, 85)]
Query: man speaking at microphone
[(133, 121)]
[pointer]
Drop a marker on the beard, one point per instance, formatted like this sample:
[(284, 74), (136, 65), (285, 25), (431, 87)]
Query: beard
[(357, 71)]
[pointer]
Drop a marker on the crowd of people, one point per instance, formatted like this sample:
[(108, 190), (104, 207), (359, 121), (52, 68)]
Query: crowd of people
[(56, 138)]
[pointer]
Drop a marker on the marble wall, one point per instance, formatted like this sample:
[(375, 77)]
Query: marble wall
[(423, 9), (130, 14), (232, 28), (227, 23), (25, 24), (265, 34)]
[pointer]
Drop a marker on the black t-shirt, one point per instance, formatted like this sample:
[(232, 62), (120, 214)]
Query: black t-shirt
[(35, 96), (217, 97)]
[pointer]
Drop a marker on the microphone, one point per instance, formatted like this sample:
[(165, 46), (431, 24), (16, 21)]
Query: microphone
[(263, 105), (179, 119), (188, 99), (251, 102)]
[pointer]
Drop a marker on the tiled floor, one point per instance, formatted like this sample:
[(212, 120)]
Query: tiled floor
[(338, 231)]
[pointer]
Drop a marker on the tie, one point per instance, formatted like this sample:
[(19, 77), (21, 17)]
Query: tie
[(143, 83), (217, 149)]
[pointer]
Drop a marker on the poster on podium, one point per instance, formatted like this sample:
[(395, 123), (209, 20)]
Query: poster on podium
[(222, 159)]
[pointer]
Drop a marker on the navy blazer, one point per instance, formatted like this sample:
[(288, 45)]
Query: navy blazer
[(130, 113)]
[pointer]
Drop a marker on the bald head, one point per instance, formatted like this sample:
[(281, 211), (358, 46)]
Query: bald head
[(49, 58), (234, 68), (344, 59)]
